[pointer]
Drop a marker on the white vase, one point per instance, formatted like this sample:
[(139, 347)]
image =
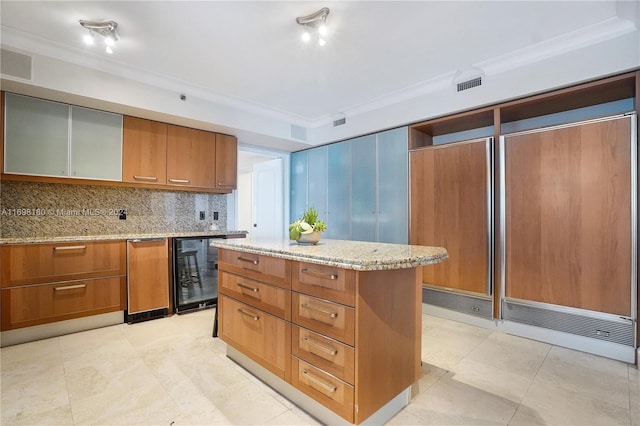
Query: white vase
[(311, 238)]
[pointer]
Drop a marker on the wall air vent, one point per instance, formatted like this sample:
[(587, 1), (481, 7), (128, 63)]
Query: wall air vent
[(15, 64), (339, 122), (299, 132), (469, 84)]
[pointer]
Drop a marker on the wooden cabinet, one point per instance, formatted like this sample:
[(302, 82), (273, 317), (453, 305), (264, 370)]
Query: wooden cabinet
[(351, 339), (45, 283), (451, 207), (191, 157), (226, 162), (144, 151), (568, 224), (148, 275)]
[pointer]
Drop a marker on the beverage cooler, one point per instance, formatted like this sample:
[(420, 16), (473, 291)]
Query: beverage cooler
[(195, 274)]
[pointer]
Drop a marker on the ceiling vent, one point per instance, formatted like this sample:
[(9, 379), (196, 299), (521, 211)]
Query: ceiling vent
[(15, 64), (475, 82), (339, 121)]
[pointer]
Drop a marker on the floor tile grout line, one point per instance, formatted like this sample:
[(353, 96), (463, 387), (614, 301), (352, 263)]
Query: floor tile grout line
[(533, 379)]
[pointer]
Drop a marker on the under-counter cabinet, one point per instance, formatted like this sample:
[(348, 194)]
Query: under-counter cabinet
[(347, 339), (148, 278), (144, 151), (45, 283), (53, 139)]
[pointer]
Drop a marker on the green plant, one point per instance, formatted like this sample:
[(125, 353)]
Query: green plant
[(307, 224)]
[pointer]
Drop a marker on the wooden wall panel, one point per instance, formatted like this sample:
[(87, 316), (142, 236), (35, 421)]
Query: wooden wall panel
[(568, 216), (449, 209)]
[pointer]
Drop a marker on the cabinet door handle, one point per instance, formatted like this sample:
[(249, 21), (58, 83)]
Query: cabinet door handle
[(330, 351), (319, 274), (223, 184), (179, 180), (244, 259), (321, 383), (70, 248), (145, 177), (246, 287), (70, 287), (322, 311), (247, 314)]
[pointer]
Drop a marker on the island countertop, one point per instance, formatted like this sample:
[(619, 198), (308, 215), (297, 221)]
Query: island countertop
[(356, 255)]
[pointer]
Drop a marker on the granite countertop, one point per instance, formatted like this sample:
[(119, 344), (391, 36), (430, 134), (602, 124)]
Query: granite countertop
[(356, 255), (74, 238)]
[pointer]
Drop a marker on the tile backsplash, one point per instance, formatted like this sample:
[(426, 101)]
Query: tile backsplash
[(31, 209)]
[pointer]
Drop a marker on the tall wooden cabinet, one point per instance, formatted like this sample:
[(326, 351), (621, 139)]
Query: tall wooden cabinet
[(451, 194), (568, 226)]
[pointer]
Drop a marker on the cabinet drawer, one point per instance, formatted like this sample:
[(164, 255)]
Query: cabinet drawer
[(326, 282), (260, 336), (330, 391), (40, 304), (41, 263), (274, 300), (328, 354), (328, 318), (267, 269)]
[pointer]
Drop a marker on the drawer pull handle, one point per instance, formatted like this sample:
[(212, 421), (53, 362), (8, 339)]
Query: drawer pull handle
[(244, 259), (330, 351), (246, 287), (70, 287), (320, 274), (70, 248), (145, 177), (322, 384), (322, 311), (179, 180), (247, 314)]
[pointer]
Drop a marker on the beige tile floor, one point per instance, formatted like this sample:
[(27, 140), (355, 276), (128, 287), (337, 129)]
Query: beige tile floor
[(171, 372)]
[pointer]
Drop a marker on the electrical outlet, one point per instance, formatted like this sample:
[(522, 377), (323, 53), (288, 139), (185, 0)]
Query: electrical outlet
[(215, 215), (201, 214)]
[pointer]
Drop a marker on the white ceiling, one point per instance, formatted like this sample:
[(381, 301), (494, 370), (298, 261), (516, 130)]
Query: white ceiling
[(249, 54)]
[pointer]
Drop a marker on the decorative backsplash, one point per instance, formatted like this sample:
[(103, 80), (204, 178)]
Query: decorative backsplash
[(31, 209)]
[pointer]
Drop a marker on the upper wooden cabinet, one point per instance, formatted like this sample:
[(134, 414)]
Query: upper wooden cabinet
[(226, 162), (144, 151), (191, 157)]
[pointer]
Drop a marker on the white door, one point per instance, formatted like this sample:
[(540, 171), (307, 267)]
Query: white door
[(268, 204)]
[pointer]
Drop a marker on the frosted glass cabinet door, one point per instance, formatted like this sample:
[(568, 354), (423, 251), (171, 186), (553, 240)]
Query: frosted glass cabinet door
[(36, 136), (96, 144), (338, 193), (317, 180), (393, 186), (298, 200), (363, 188)]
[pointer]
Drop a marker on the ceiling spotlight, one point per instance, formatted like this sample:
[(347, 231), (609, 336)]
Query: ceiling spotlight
[(106, 29), (317, 22)]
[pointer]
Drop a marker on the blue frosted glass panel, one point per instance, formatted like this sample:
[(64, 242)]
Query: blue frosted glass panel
[(298, 200), (338, 194), (363, 188), (317, 180), (393, 187)]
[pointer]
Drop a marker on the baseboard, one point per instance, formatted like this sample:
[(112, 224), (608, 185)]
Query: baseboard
[(60, 328)]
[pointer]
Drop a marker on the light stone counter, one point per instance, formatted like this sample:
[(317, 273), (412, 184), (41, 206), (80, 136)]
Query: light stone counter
[(73, 238), (356, 255)]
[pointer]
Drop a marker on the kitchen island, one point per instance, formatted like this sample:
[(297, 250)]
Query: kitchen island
[(334, 327)]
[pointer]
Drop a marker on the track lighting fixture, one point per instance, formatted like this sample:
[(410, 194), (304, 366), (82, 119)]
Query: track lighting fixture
[(106, 29), (317, 22)]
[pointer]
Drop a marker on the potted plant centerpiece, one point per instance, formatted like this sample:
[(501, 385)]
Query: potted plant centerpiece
[(308, 228)]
